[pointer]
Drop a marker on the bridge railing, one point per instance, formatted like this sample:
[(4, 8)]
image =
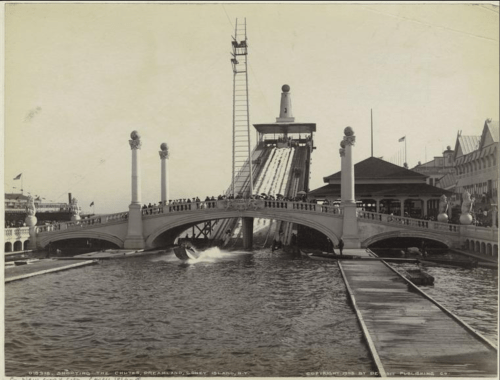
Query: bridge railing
[(240, 204), (18, 232), (84, 223), (410, 222)]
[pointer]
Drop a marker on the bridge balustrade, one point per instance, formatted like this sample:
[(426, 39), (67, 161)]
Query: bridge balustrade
[(83, 223), (411, 222), (17, 232), (240, 204), (179, 207)]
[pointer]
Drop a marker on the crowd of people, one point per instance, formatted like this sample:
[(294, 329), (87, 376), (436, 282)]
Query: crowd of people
[(150, 209)]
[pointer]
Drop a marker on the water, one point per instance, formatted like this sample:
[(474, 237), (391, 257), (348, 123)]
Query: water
[(471, 294), (222, 313)]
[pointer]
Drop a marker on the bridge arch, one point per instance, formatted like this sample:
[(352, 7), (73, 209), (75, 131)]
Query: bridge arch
[(298, 218), (404, 234), (45, 240)]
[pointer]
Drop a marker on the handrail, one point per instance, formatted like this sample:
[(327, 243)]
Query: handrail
[(84, 223), (410, 222)]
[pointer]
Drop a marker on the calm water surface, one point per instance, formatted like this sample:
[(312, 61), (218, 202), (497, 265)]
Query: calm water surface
[(225, 312), (471, 294)]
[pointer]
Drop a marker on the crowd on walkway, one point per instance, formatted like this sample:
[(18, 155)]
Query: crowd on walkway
[(179, 204)]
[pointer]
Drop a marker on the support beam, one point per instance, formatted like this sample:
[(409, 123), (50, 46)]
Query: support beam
[(247, 224)]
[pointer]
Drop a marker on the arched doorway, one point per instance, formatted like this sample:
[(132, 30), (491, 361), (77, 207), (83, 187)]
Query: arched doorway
[(8, 247), (26, 243), (18, 246)]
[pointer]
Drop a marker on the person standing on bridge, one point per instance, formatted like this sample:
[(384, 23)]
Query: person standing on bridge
[(341, 246)]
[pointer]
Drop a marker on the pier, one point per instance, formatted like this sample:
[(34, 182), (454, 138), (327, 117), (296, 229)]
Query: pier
[(408, 333)]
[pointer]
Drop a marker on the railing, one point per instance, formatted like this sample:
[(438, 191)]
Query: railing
[(410, 222), (241, 204), (84, 223), (19, 232)]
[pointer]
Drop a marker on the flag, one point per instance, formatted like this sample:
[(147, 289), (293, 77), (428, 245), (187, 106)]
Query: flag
[(19, 176), (402, 139), (91, 204)]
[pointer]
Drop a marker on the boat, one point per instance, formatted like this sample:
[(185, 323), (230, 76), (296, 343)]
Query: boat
[(25, 262), (451, 263), (185, 252), (418, 277)]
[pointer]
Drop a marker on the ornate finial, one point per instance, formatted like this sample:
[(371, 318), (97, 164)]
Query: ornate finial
[(349, 140), (75, 210), (30, 206), (164, 152), (135, 143), (285, 88), (134, 135), (348, 131)]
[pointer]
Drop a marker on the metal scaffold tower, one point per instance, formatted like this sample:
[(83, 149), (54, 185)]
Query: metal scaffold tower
[(242, 180)]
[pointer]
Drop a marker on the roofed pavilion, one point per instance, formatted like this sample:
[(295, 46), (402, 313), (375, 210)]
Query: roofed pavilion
[(381, 186)]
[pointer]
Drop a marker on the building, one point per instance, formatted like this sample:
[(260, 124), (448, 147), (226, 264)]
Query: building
[(46, 212), (476, 163), (381, 186), (438, 167)]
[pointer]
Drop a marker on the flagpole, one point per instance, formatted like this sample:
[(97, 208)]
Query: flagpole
[(406, 162), (371, 122)]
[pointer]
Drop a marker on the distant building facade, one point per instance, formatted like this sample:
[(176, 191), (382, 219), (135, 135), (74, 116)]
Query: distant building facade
[(476, 164), (438, 167)]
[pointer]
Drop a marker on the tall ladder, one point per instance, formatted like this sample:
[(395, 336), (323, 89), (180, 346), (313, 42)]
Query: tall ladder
[(242, 180)]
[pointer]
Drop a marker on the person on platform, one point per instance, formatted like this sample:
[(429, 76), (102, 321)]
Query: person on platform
[(341, 246)]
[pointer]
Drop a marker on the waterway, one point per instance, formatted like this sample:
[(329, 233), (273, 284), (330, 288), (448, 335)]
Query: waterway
[(471, 294), (224, 313)]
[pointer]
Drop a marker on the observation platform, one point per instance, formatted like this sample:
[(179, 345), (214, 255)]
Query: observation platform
[(408, 333)]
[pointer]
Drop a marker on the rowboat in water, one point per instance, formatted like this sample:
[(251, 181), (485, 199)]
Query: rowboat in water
[(185, 252)]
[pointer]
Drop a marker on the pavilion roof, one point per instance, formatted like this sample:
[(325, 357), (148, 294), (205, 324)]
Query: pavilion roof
[(374, 169), (381, 190)]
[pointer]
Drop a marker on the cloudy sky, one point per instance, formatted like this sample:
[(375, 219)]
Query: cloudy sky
[(80, 77)]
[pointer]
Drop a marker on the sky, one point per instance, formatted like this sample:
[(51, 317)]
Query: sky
[(80, 77)]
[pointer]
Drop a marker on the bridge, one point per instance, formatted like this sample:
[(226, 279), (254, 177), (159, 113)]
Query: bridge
[(278, 164), (161, 225)]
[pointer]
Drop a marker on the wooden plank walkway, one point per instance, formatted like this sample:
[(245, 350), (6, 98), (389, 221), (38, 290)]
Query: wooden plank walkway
[(409, 334)]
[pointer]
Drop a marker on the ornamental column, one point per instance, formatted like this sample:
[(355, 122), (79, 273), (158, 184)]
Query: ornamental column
[(342, 170), (164, 155), (135, 238), (350, 234), (30, 221)]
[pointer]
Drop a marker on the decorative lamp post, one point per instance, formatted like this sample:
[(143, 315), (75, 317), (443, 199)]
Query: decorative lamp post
[(164, 155), (135, 238)]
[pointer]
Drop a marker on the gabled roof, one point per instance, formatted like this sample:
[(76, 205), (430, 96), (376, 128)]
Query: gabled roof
[(490, 133), (381, 190), (466, 145), (375, 168), (448, 181)]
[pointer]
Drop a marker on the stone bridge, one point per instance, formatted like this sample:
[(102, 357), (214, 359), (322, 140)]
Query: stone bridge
[(161, 225)]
